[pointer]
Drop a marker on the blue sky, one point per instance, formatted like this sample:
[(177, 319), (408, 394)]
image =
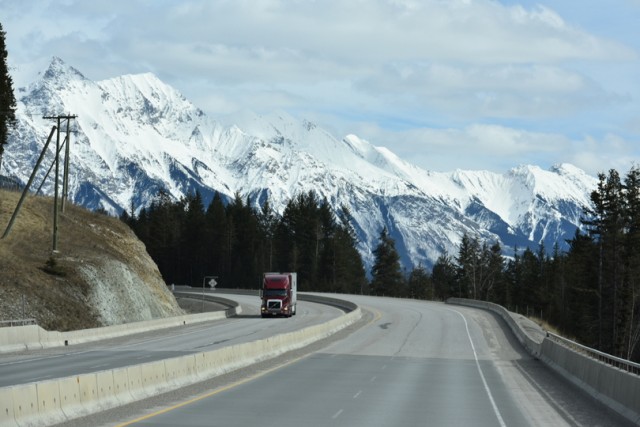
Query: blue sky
[(445, 84)]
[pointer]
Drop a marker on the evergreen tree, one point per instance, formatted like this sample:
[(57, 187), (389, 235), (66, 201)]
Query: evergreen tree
[(581, 319), (387, 278), (266, 224), (512, 278), (606, 223), (7, 98), (556, 273), (530, 279), (631, 292), (301, 235), (445, 278), (419, 284), (308, 233), (193, 241), (243, 243), (217, 231), (124, 217), (468, 267), (285, 242), (493, 288), (342, 267), (164, 234)]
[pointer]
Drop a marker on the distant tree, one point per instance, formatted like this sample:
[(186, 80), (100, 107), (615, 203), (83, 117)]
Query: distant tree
[(632, 270), (285, 240), (216, 231), (419, 285), (342, 268), (164, 220), (493, 266), (469, 267), (387, 278), (606, 222), (193, 240), (243, 240), (351, 271), (556, 277), (7, 98), (445, 278), (266, 224), (301, 238)]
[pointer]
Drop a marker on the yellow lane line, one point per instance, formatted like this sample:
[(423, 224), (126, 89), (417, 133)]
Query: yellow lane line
[(378, 316), (211, 393)]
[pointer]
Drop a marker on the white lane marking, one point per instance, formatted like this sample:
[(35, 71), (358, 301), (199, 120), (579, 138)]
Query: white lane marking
[(144, 357), (337, 414), (373, 379), (37, 359), (357, 394), (44, 377), (484, 381)]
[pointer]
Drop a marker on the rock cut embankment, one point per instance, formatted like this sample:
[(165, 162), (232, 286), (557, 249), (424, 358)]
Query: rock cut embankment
[(101, 274)]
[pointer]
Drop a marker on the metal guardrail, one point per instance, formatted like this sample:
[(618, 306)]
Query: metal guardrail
[(617, 362), (17, 322)]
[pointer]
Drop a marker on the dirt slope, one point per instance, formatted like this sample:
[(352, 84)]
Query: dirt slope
[(101, 274)]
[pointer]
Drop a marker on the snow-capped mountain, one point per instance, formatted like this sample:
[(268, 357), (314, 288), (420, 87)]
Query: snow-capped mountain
[(136, 135)]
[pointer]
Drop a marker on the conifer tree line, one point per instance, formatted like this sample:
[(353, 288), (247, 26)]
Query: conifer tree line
[(7, 98), (238, 243), (591, 292)]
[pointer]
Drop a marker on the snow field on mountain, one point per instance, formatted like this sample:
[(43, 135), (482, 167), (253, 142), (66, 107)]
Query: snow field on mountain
[(137, 135)]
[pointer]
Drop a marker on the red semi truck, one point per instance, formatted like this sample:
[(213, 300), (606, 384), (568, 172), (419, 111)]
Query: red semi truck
[(279, 294)]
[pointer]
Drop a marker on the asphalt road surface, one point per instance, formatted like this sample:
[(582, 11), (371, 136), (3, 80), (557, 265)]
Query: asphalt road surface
[(412, 363), (39, 365)]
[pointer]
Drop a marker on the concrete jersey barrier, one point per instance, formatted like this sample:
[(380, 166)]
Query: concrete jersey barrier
[(616, 388), (18, 338), (72, 397)]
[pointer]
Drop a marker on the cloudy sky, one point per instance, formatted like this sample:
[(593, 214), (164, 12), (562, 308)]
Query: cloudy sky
[(445, 84)]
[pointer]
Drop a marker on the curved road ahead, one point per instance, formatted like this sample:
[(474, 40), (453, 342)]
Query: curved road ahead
[(412, 364), (40, 365)]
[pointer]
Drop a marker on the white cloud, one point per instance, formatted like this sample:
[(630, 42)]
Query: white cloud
[(480, 70), (519, 91), (500, 148)]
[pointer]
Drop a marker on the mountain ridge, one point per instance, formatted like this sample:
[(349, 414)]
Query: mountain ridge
[(137, 135)]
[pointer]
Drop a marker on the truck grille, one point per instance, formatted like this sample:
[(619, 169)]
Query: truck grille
[(274, 304)]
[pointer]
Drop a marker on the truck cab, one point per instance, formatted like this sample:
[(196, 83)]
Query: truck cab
[(279, 294)]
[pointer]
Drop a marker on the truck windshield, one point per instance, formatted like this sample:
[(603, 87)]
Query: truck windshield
[(275, 292)]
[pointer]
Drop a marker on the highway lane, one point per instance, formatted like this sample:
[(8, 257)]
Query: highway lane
[(414, 364), (39, 365)]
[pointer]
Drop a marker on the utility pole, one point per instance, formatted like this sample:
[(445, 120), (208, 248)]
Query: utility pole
[(65, 189), (65, 180), (26, 188), (59, 118)]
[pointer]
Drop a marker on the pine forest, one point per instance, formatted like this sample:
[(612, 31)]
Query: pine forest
[(589, 293)]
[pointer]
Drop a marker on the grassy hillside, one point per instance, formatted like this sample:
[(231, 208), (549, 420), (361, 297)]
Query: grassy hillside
[(101, 273)]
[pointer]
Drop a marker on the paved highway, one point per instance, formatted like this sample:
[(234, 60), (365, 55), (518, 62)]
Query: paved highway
[(39, 365), (412, 364)]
